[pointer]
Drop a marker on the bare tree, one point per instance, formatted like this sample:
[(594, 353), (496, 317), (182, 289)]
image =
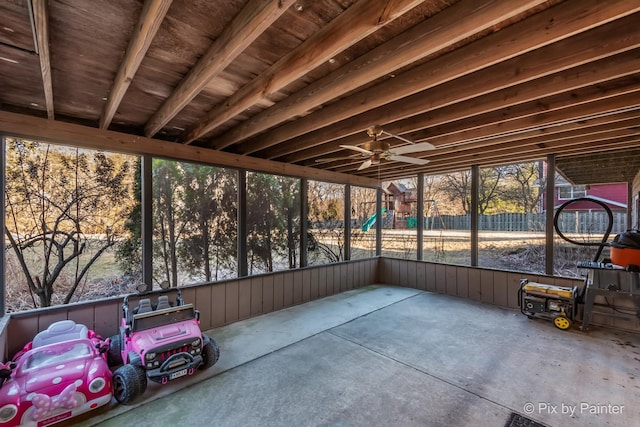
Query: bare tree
[(525, 181), (326, 212), (65, 208), (457, 186)]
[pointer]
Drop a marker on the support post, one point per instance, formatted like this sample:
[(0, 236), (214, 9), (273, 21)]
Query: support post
[(243, 268), (420, 218), (630, 224), (304, 217), (550, 189), (347, 222), (147, 219), (475, 190), (3, 259), (379, 222)]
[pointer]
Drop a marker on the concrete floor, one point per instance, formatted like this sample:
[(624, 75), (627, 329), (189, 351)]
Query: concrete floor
[(390, 356)]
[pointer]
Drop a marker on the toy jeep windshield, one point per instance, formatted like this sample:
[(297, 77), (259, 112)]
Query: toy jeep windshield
[(160, 340), (169, 315)]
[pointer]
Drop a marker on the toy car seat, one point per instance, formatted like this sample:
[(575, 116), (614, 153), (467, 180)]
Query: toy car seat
[(63, 330), (144, 306), (163, 302)]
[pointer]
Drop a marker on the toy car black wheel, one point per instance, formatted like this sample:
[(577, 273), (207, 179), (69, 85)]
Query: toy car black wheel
[(142, 378), (126, 384), (210, 354), (114, 355)]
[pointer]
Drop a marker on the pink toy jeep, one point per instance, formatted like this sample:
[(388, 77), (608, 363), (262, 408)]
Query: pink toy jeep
[(160, 341), (62, 373)]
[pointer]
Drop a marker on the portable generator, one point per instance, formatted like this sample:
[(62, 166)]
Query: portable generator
[(555, 302)]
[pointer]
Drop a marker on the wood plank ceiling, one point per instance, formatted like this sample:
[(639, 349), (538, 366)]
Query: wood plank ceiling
[(484, 81)]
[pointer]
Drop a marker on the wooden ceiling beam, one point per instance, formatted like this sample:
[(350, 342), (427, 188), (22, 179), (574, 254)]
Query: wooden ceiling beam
[(597, 128), (575, 107), (558, 140), (41, 23), (354, 24), (506, 159), (152, 15), (592, 131), (597, 44), (429, 37), (511, 103), (505, 48), (19, 125), (556, 145), (245, 28)]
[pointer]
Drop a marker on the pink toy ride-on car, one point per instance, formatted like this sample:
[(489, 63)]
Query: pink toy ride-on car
[(62, 373), (160, 341)]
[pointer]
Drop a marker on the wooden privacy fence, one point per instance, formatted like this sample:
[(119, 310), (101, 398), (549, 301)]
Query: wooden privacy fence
[(569, 222)]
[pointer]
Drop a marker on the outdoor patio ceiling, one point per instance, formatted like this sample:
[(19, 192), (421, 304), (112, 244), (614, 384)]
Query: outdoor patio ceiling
[(293, 81)]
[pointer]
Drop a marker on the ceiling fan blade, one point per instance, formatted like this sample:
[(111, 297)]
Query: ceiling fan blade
[(401, 138), (365, 165), (415, 148), (407, 159), (356, 148)]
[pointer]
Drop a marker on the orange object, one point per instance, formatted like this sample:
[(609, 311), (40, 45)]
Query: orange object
[(625, 256)]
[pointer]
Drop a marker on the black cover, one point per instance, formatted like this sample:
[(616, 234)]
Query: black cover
[(628, 239)]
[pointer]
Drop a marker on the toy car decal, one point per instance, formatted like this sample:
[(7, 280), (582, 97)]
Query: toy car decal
[(45, 404)]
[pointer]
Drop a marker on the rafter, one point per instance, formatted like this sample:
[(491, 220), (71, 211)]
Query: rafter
[(572, 86), (245, 28), (558, 139), (567, 19), (432, 35), (625, 107), (596, 44), (351, 26), (152, 15), (485, 147), (444, 166), (41, 22)]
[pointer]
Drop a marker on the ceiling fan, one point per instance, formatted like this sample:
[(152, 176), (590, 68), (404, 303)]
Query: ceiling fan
[(375, 150)]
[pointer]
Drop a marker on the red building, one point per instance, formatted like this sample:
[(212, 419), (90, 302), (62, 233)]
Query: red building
[(614, 195)]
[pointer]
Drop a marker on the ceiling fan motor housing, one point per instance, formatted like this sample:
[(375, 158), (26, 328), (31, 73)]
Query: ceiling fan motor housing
[(376, 146)]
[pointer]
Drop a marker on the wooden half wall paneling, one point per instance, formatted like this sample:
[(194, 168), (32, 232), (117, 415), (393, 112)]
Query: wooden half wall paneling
[(441, 278), (267, 294), (227, 302), (297, 287), (278, 291), (474, 282), (451, 279), (219, 303), (430, 277), (244, 299), (314, 286), (421, 275), (231, 302), (497, 287), (462, 282), (255, 296), (322, 282)]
